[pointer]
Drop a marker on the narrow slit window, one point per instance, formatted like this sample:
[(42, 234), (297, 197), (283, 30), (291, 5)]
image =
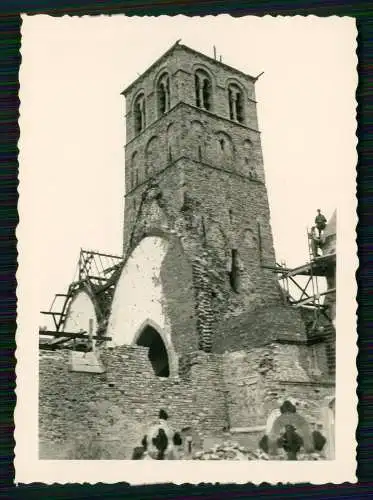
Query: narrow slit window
[(234, 273)]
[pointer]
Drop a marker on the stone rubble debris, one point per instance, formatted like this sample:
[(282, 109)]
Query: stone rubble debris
[(230, 450)]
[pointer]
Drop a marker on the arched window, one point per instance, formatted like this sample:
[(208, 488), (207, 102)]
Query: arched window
[(139, 113), (163, 91), (203, 89), (236, 103)]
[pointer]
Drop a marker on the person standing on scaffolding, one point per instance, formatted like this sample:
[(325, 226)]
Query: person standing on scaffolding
[(320, 222)]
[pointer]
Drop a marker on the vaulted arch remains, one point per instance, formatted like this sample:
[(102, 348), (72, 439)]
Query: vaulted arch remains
[(80, 314), (152, 291), (139, 293)]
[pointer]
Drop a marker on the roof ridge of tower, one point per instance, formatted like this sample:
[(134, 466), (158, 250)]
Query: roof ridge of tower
[(177, 44)]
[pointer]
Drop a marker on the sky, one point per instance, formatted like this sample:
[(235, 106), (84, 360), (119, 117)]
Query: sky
[(72, 121)]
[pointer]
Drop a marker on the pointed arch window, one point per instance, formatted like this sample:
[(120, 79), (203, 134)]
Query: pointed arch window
[(236, 103), (139, 113), (163, 91), (157, 353), (203, 90)]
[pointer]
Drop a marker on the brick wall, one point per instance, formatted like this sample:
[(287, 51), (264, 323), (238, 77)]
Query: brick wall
[(259, 327), (258, 380), (113, 410)]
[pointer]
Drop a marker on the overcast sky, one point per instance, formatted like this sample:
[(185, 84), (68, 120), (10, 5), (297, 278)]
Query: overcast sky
[(73, 129)]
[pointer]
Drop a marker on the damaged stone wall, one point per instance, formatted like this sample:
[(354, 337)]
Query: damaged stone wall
[(259, 327), (113, 410), (259, 380)]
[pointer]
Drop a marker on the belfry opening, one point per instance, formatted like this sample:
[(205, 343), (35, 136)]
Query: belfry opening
[(158, 357)]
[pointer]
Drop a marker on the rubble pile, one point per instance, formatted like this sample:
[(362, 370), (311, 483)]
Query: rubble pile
[(229, 451), (233, 451)]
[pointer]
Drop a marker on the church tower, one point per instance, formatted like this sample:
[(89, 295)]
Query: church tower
[(197, 234), (192, 318)]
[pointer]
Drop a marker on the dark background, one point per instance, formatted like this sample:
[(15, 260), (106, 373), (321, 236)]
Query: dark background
[(10, 41)]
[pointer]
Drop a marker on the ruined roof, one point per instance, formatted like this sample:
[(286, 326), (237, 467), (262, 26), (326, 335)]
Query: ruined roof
[(192, 51)]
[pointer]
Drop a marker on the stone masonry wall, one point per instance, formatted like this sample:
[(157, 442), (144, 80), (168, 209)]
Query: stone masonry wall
[(113, 410), (259, 380), (259, 327)]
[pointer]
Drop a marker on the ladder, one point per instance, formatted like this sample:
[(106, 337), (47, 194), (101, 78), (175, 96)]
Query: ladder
[(314, 281)]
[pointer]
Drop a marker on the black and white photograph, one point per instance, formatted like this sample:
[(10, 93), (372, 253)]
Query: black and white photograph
[(187, 255)]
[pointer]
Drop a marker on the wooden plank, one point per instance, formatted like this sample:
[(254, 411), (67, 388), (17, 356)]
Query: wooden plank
[(71, 335), (52, 313), (310, 299), (102, 254)]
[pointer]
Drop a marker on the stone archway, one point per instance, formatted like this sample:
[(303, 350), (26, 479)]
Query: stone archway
[(161, 354)]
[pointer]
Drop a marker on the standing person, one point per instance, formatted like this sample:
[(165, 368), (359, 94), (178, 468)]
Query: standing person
[(291, 442), (320, 221), (319, 439), (160, 440), (172, 451)]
